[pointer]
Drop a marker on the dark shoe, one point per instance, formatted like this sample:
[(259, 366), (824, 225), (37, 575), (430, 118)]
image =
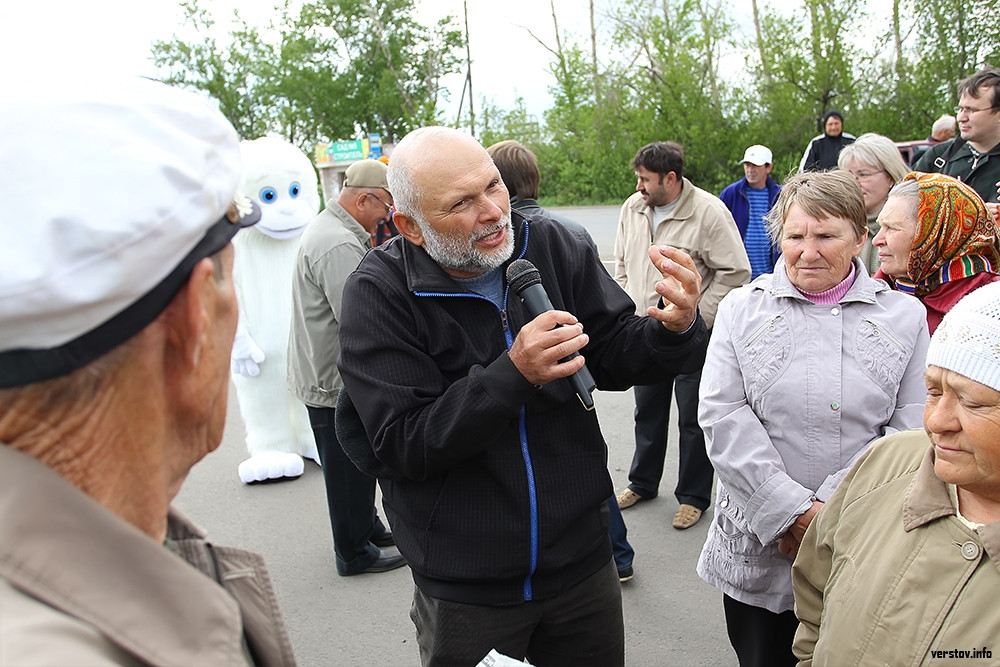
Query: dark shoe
[(385, 562), (383, 539), (626, 574)]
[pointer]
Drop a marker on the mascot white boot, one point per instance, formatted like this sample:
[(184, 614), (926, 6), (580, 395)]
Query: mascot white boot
[(280, 178)]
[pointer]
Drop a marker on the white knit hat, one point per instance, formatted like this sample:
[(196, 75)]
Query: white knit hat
[(968, 339)]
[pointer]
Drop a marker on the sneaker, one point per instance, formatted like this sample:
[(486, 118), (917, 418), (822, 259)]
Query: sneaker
[(687, 516), (627, 498), (626, 574)]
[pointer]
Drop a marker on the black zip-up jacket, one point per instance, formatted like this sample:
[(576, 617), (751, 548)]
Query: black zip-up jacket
[(958, 163), (503, 484)]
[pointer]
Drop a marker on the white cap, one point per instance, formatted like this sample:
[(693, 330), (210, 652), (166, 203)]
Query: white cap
[(112, 192), (758, 155), (968, 339)]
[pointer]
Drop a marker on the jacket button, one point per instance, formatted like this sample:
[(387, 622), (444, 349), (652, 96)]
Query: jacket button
[(724, 503), (835, 311), (970, 551), (835, 406)]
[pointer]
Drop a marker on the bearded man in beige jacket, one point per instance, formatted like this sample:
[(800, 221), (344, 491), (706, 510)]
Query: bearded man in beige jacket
[(667, 209)]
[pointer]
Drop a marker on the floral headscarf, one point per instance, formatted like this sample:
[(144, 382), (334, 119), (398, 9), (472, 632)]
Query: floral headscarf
[(955, 238)]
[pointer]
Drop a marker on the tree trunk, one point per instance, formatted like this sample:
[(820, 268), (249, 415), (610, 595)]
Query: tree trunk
[(765, 64), (593, 55), (898, 44)]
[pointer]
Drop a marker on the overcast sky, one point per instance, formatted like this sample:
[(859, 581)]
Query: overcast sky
[(95, 38)]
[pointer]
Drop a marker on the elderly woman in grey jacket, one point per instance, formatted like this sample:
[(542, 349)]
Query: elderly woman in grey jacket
[(806, 366)]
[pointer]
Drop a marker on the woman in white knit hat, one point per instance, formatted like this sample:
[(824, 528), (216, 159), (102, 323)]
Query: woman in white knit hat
[(902, 565)]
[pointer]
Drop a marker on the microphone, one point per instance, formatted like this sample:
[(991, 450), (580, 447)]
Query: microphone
[(526, 281)]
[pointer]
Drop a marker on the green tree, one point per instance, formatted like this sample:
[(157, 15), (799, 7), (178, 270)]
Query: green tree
[(333, 69), (672, 78), (390, 82), (232, 75)]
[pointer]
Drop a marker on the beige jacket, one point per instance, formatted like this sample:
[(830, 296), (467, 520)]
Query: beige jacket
[(700, 225), (888, 575), (332, 247), (80, 586)]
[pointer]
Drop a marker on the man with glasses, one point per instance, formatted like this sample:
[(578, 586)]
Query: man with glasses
[(973, 157), (332, 246)]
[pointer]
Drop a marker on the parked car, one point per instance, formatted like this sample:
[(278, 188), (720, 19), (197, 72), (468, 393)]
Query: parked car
[(912, 150)]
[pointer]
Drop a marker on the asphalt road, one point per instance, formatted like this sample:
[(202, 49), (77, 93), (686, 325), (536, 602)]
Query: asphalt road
[(671, 616)]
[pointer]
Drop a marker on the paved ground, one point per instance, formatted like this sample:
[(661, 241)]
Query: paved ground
[(671, 616)]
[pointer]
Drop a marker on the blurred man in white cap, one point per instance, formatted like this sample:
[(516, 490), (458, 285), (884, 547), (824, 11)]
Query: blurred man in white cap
[(117, 315), (332, 247), (749, 200), (902, 565)]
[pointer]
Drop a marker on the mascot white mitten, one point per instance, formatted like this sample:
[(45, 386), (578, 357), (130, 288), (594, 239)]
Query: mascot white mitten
[(280, 178)]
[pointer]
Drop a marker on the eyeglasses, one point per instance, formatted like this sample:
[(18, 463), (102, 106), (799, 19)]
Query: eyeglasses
[(390, 210), (865, 175), (388, 207), (971, 110)]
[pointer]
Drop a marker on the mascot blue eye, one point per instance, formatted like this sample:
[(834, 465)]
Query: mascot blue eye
[(268, 195), (293, 190)]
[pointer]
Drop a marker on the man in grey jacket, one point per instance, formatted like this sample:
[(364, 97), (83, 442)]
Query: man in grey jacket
[(117, 317), (331, 248)]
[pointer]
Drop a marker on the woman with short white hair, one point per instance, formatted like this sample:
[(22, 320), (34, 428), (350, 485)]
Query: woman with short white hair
[(875, 163)]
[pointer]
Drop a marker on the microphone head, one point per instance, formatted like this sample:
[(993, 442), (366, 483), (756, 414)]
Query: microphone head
[(522, 274)]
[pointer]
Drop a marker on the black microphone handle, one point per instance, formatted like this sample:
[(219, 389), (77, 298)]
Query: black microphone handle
[(536, 300)]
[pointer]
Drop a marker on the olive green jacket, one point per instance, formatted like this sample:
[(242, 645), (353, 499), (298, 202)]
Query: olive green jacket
[(888, 575)]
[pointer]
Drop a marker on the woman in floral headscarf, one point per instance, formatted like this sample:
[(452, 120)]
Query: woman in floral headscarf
[(937, 241)]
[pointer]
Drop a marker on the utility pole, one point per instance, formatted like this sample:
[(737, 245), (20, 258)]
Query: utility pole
[(468, 76)]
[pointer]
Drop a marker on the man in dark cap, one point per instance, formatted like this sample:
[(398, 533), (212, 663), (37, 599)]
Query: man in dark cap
[(332, 246), (823, 150), (117, 317)]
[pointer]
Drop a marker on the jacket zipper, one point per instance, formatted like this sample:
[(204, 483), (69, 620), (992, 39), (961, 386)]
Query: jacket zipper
[(878, 330), (761, 330), (529, 467)]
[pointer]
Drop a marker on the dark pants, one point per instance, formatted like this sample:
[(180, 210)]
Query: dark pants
[(581, 626), (760, 637), (624, 554), (652, 415), (350, 496)]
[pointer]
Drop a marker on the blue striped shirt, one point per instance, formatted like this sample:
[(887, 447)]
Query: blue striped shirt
[(757, 242)]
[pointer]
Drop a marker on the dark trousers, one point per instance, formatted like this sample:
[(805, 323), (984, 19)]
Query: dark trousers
[(581, 626), (350, 497), (760, 637), (652, 415), (624, 554)]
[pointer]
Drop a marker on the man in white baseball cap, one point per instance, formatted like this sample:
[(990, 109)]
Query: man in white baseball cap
[(117, 316), (749, 199)]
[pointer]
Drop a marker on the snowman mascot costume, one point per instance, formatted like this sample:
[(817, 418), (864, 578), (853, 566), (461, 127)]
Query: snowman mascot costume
[(281, 180)]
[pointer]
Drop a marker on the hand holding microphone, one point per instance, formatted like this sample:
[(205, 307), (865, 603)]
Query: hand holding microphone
[(547, 348)]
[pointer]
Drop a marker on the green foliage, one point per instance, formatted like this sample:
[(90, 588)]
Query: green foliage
[(230, 75), (338, 69), (497, 125), (679, 70)]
